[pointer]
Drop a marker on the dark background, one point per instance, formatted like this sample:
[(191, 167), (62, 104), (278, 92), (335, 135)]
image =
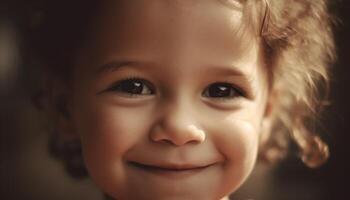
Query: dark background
[(28, 172)]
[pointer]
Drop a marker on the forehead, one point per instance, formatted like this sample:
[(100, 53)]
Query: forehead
[(152, 23), (178, 34), (185, 36)]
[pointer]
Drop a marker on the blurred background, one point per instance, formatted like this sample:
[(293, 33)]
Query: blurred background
[(27, 171)]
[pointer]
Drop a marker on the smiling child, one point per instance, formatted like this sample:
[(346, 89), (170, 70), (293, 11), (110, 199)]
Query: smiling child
[(176, 99)]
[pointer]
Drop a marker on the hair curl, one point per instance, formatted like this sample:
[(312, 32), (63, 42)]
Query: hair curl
[(298, 40), (300, 47)]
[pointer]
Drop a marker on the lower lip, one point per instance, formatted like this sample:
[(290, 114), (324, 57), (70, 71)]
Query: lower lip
[(170, 173)]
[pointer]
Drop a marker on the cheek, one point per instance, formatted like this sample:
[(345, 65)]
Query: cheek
[(237, 140), (107, 131), (236, 134)]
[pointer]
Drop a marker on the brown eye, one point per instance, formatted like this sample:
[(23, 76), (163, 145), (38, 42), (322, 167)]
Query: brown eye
[(133, 86), (221, 90)]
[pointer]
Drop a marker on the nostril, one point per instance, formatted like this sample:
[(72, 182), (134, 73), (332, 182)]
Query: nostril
[(166, 141)]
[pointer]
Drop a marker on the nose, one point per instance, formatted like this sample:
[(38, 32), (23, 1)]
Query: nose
[(177, 126)]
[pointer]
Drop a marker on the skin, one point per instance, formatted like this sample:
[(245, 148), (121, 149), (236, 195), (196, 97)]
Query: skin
[(205, 145)]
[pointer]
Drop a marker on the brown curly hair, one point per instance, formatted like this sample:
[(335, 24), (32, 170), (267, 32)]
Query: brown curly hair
[(300, 47), (298, 40)]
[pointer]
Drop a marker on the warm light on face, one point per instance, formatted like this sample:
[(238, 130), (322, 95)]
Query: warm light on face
[(168, 100)]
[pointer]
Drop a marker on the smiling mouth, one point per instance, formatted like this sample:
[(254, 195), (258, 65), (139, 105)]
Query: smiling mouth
[(166, 168)]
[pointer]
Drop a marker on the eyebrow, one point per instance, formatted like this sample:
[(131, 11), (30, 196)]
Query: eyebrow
[(227, 70), (115, 65), (220, 69)]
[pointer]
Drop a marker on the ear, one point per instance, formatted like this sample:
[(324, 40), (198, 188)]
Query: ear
[(268, 117), (61, 110)]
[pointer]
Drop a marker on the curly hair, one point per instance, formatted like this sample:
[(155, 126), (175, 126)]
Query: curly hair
[(300, 47), (298, 40)]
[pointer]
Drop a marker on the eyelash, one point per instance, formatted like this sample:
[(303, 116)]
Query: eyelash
[(145, 87), (234, 91), (120, 88)]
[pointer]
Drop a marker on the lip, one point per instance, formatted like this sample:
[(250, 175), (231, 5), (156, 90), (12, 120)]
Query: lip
[(170, 170), (168, 167)]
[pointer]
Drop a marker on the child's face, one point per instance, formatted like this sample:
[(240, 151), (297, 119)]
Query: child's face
[(170, 85)]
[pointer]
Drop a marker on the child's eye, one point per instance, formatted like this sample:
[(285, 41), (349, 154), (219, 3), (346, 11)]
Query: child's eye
[(133, 86), (221, 90)]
